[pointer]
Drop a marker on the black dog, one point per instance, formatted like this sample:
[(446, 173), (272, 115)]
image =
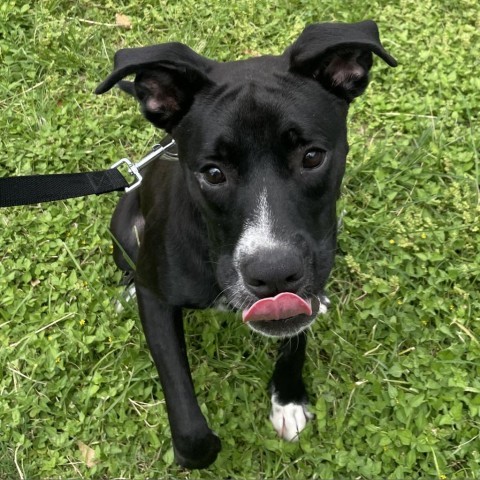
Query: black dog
[(247, 216)]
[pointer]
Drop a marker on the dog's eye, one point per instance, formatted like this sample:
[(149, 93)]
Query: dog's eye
[(213, 175), (313, 159)]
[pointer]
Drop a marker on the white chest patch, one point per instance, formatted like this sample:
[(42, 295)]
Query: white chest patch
[(290, 419)]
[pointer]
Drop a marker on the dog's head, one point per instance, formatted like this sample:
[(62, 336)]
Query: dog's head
[(262, 143)]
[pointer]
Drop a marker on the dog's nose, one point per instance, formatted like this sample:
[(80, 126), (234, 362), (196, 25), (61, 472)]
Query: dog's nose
[(273, 271)]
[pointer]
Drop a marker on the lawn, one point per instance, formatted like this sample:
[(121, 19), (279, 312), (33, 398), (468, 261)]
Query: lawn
[(393, 369)]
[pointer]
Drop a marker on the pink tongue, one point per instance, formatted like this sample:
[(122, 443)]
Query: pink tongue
[(284, 305)]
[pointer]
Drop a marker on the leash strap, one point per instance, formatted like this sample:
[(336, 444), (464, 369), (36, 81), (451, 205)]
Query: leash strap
[(32, 189)]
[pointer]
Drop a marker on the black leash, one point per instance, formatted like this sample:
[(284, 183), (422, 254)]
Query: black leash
[(46, 188), (30, 189)]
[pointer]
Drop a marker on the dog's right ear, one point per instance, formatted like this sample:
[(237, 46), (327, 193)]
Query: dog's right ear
[(167, 76)]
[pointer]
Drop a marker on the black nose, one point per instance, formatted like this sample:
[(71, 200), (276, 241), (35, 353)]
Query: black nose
[(271, 272)]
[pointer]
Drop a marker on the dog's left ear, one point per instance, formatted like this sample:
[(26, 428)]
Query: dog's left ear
[(338, 55)]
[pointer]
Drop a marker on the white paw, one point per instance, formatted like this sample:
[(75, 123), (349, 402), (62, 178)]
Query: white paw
[(290, 419)]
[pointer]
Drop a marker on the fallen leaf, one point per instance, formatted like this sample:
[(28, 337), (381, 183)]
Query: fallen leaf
[(123, 21), (252, 53), (87, 453)]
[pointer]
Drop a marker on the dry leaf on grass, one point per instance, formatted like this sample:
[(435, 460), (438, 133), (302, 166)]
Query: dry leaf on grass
[(123, 21), (252, 53), (87, 453)]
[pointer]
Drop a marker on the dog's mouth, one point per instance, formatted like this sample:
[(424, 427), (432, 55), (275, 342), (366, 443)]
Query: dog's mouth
[(285, 315), (284, 305)]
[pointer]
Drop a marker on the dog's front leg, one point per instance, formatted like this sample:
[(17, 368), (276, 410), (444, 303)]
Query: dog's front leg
[(195, 445), (289, 397)]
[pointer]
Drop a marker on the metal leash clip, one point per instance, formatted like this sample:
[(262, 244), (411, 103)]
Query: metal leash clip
[(134, 168)]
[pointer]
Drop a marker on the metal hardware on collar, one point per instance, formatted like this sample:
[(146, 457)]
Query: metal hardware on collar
[(134, 168)]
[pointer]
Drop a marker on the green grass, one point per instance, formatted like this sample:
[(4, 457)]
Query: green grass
[(393, 369)]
